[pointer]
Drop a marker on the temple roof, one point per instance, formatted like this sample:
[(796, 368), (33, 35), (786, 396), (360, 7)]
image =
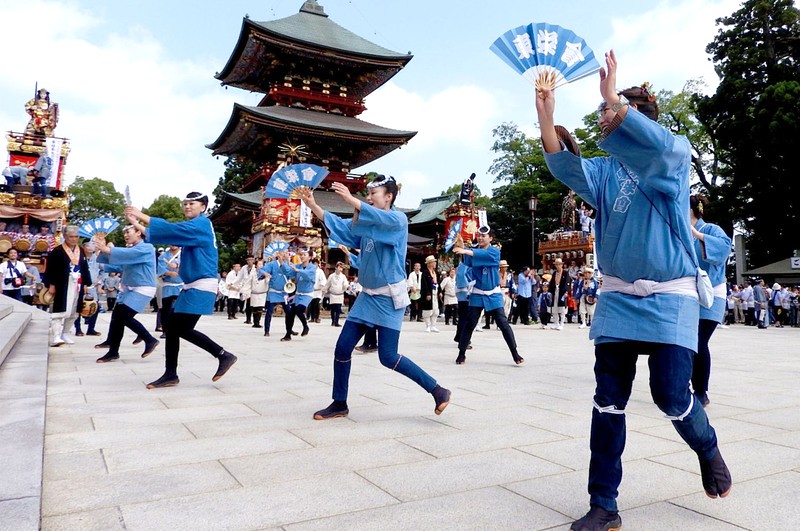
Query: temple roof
[(267, 51), (258, 131), (433, 208)]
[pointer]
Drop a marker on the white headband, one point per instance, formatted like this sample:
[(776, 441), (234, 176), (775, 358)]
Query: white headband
[(375, 184), (198, 198)]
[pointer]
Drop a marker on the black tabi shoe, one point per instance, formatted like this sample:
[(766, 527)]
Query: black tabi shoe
[(286, 338), (248, 322), (138, 340), (306, 330), (165, 381), (108, 357), (79, 334), (266, 334), (226, 361), (335, 410), (461, 359), (93, 334), (104, 344), (148, 349), (598, 519), (716, 476), (442, 398), (294, 333), (519, 360), (256, 326)]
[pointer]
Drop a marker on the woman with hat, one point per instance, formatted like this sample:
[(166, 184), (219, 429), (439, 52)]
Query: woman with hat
[(587, 295), (429, 295), (198, 269), (507, 287), (381, 232), (560, 284)]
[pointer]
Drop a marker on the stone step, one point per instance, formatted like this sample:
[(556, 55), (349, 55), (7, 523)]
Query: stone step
[(11, 327), (5, 309)]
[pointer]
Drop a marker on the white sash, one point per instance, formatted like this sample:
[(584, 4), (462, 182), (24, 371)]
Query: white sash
[(492, 291), (203, 284), (686, 286)]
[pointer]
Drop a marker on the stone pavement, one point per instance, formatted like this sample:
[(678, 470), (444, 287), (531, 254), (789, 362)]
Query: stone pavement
[(510, 452)]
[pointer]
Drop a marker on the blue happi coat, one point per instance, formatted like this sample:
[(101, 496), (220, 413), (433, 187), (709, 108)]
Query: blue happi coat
[(138, 267), (199, 259), (633, 239), (713, 253), (485, 264), (463, 280), (277, 281), (171, 286), (382, 237), (304, 278)]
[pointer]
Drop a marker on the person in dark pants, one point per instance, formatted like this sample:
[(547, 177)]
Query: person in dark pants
[(199, 272), (168, 270), (486, 295), (463, 287)]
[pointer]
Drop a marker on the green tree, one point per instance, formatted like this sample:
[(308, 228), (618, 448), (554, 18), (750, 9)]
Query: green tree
[(753, 121), (237, 171), (166, 207), (93, 198), (520, 166)]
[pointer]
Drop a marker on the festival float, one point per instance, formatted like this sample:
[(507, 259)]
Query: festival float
[(33, 203)]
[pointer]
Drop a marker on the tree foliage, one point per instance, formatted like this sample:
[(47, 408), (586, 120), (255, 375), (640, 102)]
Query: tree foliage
[(521, 168), (237, 171), (753, 124), (166, 207), (92, 198)]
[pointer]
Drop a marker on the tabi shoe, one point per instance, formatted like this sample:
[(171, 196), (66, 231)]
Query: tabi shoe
[(442, 398), (93, 334), (598, 519), (332, 411), (256, 326), (138, 340), (305, 332), (165, 381), (366, 350), (79, 334), (266, 334), (286, 338), (716, 476), (148, 349), (226, 361), (68, 340), (519, 360), (294, 333), (104, 344), (461, 359), (248, 322), (108, 357)]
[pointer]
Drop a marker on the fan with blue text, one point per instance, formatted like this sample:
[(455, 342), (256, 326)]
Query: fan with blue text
[(452, 235), (274, 247), (97, 226), (287, 179), (546, 55)]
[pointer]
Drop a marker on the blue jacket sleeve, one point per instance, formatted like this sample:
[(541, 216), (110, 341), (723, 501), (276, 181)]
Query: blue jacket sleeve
[(341, 230), (380, 225), (192, 233), (486, 257), (716, 244), (121, 256)]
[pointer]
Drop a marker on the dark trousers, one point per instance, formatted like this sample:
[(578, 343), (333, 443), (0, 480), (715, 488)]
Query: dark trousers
[(451, 312), (248, 311), (750, 317), (15, 294), (181, 326), (313, 310), (474, 316), (523, 303), (701, 370), (371, 338), (416, 311), (615, 369), (121, 317), (233, 306), (387, 354), (166, 311), (336, 312), (111, 302), (268, 315), (90, 322), (463, 317), (295, 311)]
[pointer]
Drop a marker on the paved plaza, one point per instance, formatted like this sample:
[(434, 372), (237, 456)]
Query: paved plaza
[(510, 452)]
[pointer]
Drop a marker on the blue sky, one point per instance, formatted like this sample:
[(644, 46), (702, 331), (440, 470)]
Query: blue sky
[(134, 80)]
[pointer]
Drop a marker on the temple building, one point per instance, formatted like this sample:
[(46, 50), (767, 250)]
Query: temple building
[(315, 76)]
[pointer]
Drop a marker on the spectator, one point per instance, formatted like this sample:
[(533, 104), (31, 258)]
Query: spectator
[(414, 287)]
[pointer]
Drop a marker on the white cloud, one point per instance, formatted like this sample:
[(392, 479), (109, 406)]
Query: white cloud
[(135, 116)]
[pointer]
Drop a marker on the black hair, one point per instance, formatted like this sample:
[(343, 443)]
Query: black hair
[(197, 196), (389, 185), (697, 203), (645, 101)]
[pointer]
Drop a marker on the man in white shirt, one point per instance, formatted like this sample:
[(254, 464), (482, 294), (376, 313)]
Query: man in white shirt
[(414, 292), (316, 297), (14, 274), (234, 284), (247, 276)]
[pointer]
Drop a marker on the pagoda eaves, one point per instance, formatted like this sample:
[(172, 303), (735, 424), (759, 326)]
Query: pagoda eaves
[(331, 52), (258, 131)]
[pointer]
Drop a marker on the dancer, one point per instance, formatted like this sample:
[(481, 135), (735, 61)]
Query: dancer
[(305, 274), (136, 263), (712, 247), (199, 272), (274, 273), (486, 295), (381, 232), (168, 267), (649, 303), (464, 285)]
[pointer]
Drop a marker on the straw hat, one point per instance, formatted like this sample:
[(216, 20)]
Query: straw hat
[(503, 263), (558, 261), (45, 298), (430, 259)]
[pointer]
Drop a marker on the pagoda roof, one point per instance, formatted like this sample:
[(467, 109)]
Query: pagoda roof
[(258, 131), (268, 51), (232, 208), (433, 208)]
